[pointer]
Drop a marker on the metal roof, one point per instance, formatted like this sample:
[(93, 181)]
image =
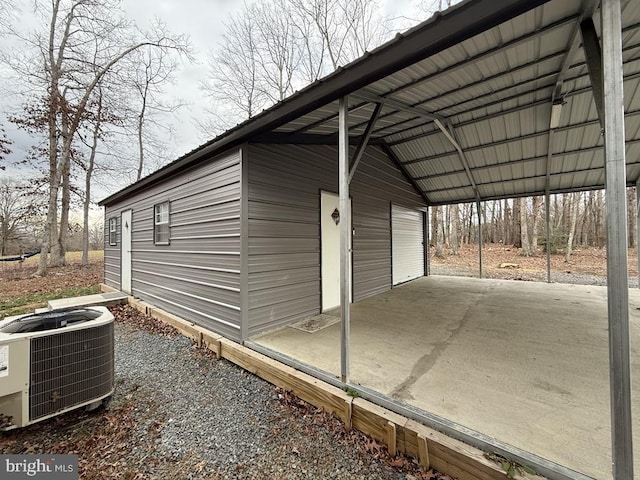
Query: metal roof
[(467, 99)]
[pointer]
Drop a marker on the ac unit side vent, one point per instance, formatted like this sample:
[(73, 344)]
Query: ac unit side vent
[(70, 368)]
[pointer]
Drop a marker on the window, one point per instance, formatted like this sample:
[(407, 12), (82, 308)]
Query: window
[(161, 224), (113, 231)]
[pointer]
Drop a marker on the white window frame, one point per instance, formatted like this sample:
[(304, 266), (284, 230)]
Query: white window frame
[(113, 231), (161, 214)]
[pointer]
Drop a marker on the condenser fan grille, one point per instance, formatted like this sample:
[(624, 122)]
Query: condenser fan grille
[(70, 368)]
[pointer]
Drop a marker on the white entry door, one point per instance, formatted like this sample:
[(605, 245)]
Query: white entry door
[(330, 251), (407, 249), (125, 251)]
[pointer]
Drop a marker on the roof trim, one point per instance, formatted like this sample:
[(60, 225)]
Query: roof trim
[(440, 32)]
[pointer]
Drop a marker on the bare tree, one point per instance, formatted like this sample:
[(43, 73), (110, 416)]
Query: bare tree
[(4, 147), (438, 227), (89, 167), (15, 209), (279, 54), (537, 220), (332, 27), (573, 206), (148, 72), (273, 47), (367, 29), (454, 243), (234, 78), (82, 41), (8, 9), (524, 230), (432, 6)]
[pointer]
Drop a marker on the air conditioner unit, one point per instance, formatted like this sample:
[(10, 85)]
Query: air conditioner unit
[(54, 362)]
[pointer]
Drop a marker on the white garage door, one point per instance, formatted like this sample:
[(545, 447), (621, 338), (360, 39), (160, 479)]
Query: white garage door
[(406, 244)]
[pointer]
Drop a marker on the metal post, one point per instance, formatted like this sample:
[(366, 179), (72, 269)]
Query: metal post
[(617, 280), (345, 222), (638, 227), (479, 239), (427, 242), (547, 219)]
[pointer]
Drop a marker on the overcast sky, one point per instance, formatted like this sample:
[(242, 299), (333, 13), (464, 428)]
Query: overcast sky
[(204, 21)]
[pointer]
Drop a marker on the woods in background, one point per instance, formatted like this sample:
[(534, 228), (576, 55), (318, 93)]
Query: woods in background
[(576, 219)]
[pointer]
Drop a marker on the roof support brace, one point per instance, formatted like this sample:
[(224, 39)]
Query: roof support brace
[(400, 106), (593, 54), (617, 280), (345, 222), (364, 141), (450, 133), (588, 9)]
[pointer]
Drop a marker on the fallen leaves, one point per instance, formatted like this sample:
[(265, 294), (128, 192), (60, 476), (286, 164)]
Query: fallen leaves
[(584, 261), (128, 314), (369, 448)]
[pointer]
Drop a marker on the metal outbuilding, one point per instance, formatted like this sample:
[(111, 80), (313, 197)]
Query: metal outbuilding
[(488, 100)]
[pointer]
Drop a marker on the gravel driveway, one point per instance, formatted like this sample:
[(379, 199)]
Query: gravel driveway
[(179, 413), (219, 421)]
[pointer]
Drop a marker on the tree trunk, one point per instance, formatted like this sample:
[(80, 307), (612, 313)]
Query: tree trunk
[(439, 232), (506, 223), (573, 201), (434, 226), (454, 229), (631, 215), (524, 230), (537, 220), (87, 184), (60, 247), (517, 239)]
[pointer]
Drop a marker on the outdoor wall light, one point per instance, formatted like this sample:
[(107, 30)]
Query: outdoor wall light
[(556, 110), (336, 216)]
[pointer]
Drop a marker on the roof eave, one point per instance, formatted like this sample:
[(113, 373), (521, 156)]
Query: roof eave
[(432, 36)]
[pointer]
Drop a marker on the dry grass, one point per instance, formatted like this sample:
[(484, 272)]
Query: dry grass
[(95, 256)]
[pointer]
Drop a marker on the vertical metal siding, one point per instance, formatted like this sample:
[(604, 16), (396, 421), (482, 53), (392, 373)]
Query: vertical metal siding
[(284, 184), (196, 276)]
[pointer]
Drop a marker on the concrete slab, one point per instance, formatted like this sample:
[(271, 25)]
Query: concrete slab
[(106, 299), (523, 362)]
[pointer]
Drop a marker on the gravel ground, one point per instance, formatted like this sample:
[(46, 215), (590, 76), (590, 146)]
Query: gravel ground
[(179, 413), (213, 419)]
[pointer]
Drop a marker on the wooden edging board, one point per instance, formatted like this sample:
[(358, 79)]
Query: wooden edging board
[(400, 434)]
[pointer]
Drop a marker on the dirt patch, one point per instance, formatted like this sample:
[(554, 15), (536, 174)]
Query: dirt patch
[(585, 264), (20, 281)]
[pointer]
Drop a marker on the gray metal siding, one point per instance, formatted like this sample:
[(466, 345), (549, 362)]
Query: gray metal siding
[(112, 252), (196, 276), (284, 184)]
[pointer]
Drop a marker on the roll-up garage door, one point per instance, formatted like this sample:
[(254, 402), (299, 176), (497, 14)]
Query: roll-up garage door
[(407, 251)]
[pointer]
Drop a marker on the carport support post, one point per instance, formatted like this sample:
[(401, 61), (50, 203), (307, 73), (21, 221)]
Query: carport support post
[(479, 238), (617, 280), (345, 222), (638, 228), (427, 242), (547, 219)]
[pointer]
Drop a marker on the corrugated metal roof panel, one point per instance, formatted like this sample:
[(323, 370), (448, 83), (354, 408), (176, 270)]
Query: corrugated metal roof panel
[(495, 87), (436, 166), (423, 147)]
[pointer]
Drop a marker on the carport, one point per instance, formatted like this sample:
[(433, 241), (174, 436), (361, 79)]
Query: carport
[(492, 100), (462, 350)]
